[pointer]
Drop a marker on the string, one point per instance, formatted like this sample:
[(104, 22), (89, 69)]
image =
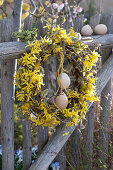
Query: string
[(59, 78)]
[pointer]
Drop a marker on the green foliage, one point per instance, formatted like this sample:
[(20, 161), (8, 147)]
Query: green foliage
[(26, 35), (0, 161), (91, 11), (18, 166), (18, 138)]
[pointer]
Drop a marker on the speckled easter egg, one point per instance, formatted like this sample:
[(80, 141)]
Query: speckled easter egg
[(100, 29), (64, 81), (86, 30)]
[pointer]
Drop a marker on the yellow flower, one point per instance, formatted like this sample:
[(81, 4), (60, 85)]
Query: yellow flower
[(50, 20), (25, 15), (66, 133), (28, 59), (10, 1), (26, 7), (20, 95), (25, 108), (1, 17), (47, 3), (46, 57), (41, 10), (72, 32), (57, 49), (1, 2)]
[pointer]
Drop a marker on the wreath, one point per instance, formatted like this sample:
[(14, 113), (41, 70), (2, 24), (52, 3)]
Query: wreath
[(75, 88)]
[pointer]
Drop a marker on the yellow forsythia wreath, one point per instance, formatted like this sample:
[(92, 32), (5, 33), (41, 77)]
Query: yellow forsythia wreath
[(43, 110)]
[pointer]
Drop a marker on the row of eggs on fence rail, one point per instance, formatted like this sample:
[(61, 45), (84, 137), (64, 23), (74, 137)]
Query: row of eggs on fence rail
[(99, 29)]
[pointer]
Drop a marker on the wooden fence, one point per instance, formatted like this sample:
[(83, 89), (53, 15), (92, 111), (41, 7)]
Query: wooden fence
[(14, 50)]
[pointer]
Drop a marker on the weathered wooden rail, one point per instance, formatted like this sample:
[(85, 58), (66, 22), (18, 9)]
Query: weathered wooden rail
[(13, 50)]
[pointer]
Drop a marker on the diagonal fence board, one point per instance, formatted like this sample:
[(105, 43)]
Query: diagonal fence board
[(58, 140), (52, 148), (12, 50), (104, 74)]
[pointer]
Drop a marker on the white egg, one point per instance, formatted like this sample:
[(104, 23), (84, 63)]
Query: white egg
[(61, 101), (64, 81), (86, 30), (100, 29)]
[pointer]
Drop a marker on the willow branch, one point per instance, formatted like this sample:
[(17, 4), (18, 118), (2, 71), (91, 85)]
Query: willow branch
[(38, 15), (4, 11), (34, 6), (68, 8)]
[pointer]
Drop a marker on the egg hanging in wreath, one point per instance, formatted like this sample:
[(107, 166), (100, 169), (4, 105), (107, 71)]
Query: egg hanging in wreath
[(61, 101), (64, 81)]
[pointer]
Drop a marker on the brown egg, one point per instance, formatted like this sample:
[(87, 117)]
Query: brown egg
[(64, 81), (61, 101), (100, 29), (86, 30)]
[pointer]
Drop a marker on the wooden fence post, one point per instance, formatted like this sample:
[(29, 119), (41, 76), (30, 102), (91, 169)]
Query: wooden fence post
[(27, 144), (87, 148), (61, 158), (88, 131), (75, 138), (105, 102), (74, 145), (78, 23), (42, 137), (7, 101), (42, 133)]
